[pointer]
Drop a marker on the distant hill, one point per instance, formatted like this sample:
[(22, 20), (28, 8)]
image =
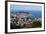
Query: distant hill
[(36, 14), (15, 12)]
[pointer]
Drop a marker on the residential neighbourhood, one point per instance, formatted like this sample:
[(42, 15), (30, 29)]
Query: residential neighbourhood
[(23, 20)]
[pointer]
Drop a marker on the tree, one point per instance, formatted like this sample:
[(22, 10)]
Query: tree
[(36, 23)]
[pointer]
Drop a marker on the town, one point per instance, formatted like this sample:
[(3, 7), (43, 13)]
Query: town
[(23, 20)]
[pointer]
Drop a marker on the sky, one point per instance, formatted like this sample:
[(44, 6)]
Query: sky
[(25, 7)]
